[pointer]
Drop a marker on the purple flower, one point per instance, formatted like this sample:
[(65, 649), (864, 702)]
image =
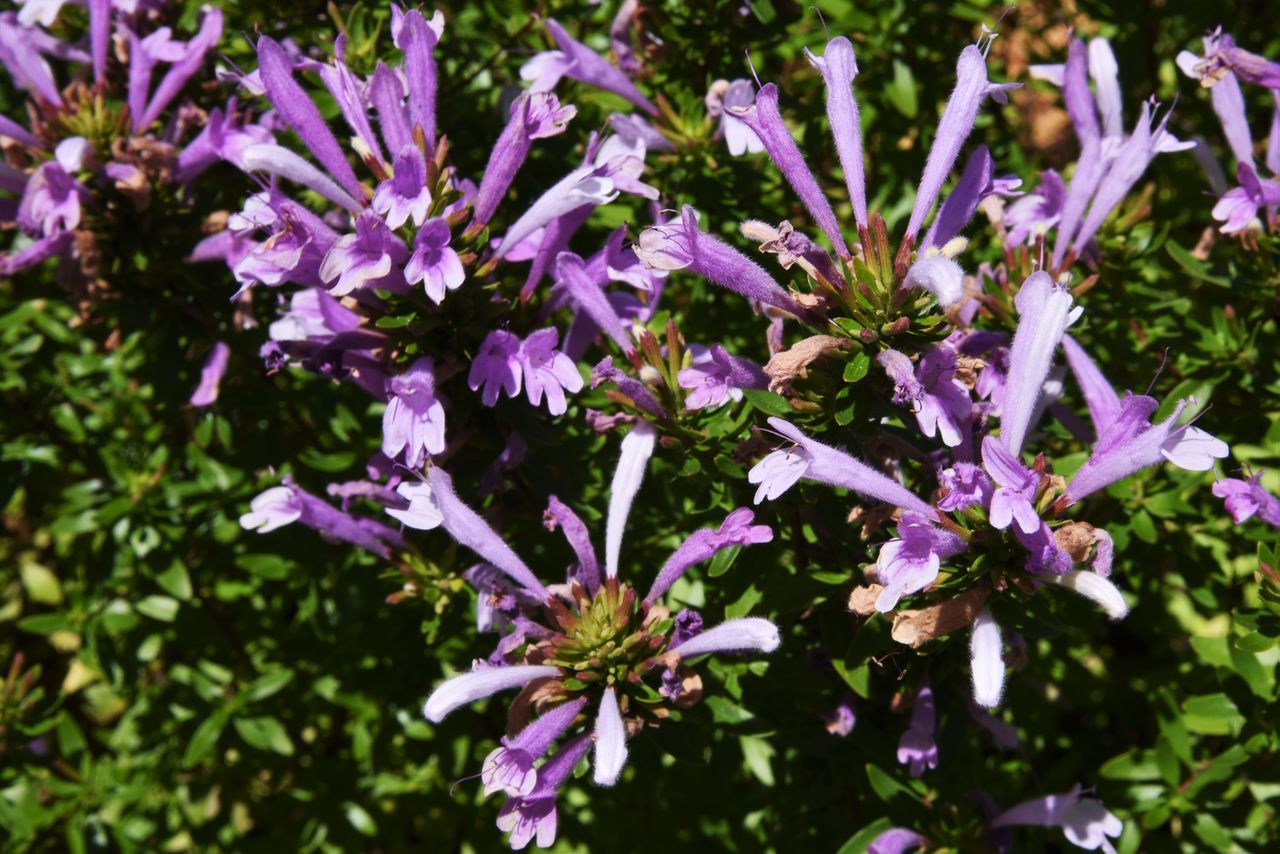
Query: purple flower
[(313, 315), (688, 623), (838, 67), (986, 660), (509, 768), (917, 748), (282, 505), (736, 530), (941, 402), (369, 258), (1222, 55), (717, 375), (1246, 498), (778, 471), (976, 183), (497, 366), (533, 817), (1044, 555), (534, 115), (414, 418), (745, 634), (211, 375), (547, 370), (910, 562), (940, 276), (954, 127), (274, 508), (840, 720), (1037, 213), (422, 514), (1014, 497), (434, 262), (682, 245), (469, 687), (51, 202), (1238, 207), (405, 195), (895, 840), (966, 485), (418, 37), (725, 99), (1044, 313), (579, 62), (1085, 821)]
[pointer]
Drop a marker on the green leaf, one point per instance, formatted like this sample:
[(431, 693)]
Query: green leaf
[(757, 752), (857, 367), (861, 841), (41, 584), (902, 90), (767, 402), (264, 733), (163, 608)]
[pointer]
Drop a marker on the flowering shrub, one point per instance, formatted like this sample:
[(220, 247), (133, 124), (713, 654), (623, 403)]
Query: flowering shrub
[(915, 477)]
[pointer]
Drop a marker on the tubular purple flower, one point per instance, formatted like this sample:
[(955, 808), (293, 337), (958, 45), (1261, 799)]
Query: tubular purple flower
[(637, 448), (282, 505), (434, 262), (575, 531), (509, 768), (895, 840), (683, 245), (1036, 213), (99, 36), (712, 380), (1085, 821), (414, 418), (958, 208), (940, 276), (548, 371), (1044, 313), (466, 688), (586, 66), (278, 160), (587, 296), (917, 748), (954, 127), (611, 740), (766, 122), (1228, 103), (581, 188), (1093, 586), (422, 514), (386, 92), (986, 660), (496, 367), (1015, 496), (1075, 92), (466, 526), (1238, 207), (745, 634), (1044, 556), (736, 530), (181, 71), (1099, 396), (1245, 498), (24, 63), (211, 375), (620, 37), (534, 817), (909, 563), (778, 472), (839, 66), (1106, 80), (418, 41), (534, 115), (297, 110), (1225, 55), (836, 468), (405, 194)]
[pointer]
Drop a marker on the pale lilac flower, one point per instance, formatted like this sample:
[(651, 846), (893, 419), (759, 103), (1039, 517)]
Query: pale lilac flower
[(778, 472), (954, 127), (682, 245), (918, 748), (467, 688), (414, 419), (533, 818), (405, 195), (215, 365), (1095, 587), (575, 532), (51, 201), (611, 740), (620, 37), (724, 100), (313, 315), (274, 508), (836, 468), (766, 122), (509, 768), (418, 37), (1044, 313), (986, 660), (639, 393), (895, 840), (736, 530), (1246, 498), (909, 563), (434, 262), (712, 380), (1238, 207), (579, 62), (1014, 497), (1085, 821), (1222, 55), (225, 136), (584, 292), (422, 514), (283, 505), (534, 115), (838, 66), (1099, 396), (966, 485), (840, 720), (1044, 555), (369, 258), (548, 371), (497, 367), (941, 402), (745, 634), (637, 448), (1038, 212), (977, 182)]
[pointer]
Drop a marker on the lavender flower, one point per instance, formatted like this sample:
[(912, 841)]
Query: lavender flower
[(1014, 497), (941, 403), (414, 419), (405, 194), (712, 380), (839, 66), (579, 62), (497, 367), (534, 115), (509, 768), (283, 505), (548, 371), (434, 262), (895, 840), (910, 562), (940, 276), (215, 366), (1238, 208), (1044, 313), (918, 749), (1246, 498), (1038, 212), (369, 258), (533, 817), (986, 657), (725, 99), (1084, 821)]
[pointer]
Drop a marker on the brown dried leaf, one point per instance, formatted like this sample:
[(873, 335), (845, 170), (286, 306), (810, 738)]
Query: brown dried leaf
[(786, 366), (862, 601), (915, 628)]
